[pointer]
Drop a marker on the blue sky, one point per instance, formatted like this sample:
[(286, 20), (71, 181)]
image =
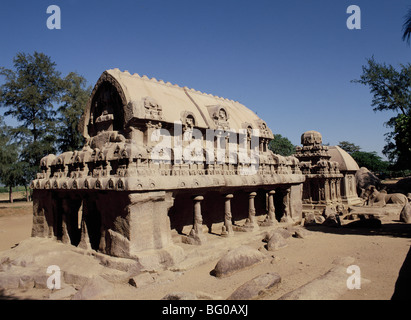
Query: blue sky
[(291, 62)]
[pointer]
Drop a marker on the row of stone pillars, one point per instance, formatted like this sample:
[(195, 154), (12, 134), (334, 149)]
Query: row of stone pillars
[(196, 235)]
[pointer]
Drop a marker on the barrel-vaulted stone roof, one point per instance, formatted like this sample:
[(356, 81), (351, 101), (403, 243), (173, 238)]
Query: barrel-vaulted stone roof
[(173, 102), (347, 163)]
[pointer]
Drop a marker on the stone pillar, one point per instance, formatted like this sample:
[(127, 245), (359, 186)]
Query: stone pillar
[(81, 220), (270, 219), (65, 238), (44, 222), (271, 207), (228, 225), (85, 238), (327, 187), (198, 218), (251, 223), (286, 202), (196, 235)]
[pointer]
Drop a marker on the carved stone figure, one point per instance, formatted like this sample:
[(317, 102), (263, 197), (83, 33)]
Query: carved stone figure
[(373, 197)]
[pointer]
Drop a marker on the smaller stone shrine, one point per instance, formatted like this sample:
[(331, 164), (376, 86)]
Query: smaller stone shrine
[(348, 168), (322, 187)]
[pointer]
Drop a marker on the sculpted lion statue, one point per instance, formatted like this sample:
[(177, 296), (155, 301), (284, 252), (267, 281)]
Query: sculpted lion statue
[(373, 197)]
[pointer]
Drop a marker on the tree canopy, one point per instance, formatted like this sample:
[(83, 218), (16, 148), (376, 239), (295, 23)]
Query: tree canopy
[(371, 160), (349, 146), (391, 91), (406, 27), (281, 145), (11, 170), (28, 95), (74, 98), (47, 108)]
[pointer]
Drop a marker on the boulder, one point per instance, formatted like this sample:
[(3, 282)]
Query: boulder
[(236, 260), (277, 241), (141, 280), (256, 287), (365, 178), (312, 219), (365, 223), (284, 232), (332, 220), (93, 289), (328, 211), (198, 295), (300, 232), (65, 293), (405, 215), (180, 296)]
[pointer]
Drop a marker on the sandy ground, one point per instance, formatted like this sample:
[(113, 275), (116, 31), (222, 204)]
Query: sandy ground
[(15, 223), (380, 254)]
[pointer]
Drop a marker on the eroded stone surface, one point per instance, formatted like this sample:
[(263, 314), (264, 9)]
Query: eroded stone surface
[(236, 260), (256, 287)]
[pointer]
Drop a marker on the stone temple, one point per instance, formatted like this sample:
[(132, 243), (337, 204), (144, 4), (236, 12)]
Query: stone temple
[(160, 159), (330, 175)]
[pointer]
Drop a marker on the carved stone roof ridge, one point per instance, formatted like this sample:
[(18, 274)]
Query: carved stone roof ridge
[(147, 78)]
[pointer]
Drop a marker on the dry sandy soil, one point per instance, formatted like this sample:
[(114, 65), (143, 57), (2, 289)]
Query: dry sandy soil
[(380, 254)]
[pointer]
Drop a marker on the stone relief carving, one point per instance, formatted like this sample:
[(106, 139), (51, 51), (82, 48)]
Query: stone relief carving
[(152, 109), (220, 117)]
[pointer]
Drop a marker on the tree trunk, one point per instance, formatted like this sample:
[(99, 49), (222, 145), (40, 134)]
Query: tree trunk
[(11, 194), (27, 194)]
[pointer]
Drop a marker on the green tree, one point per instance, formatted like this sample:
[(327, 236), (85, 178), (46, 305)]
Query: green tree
[(29, 93), (371, 160), (406, 27), (349, 146), (391, 91), (11, 171), (75, 97), (281, 145)]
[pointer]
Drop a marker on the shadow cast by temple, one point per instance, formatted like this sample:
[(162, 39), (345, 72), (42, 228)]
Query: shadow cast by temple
[(5, 296), (14, 200), (394, 229)]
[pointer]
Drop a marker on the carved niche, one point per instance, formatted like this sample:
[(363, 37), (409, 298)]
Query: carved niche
[(152, 109), (264, 131), (220, 116), (188, 121), (106, 111), (145, 108)]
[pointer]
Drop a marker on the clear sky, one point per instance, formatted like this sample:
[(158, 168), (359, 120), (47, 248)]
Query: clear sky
[(291, 62)]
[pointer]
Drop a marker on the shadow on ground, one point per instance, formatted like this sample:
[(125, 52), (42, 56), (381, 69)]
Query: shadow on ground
[(4, 296), (14, 200), (393, 229)]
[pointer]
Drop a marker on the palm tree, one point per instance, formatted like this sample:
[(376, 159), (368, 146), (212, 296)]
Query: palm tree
[(406, 27)]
